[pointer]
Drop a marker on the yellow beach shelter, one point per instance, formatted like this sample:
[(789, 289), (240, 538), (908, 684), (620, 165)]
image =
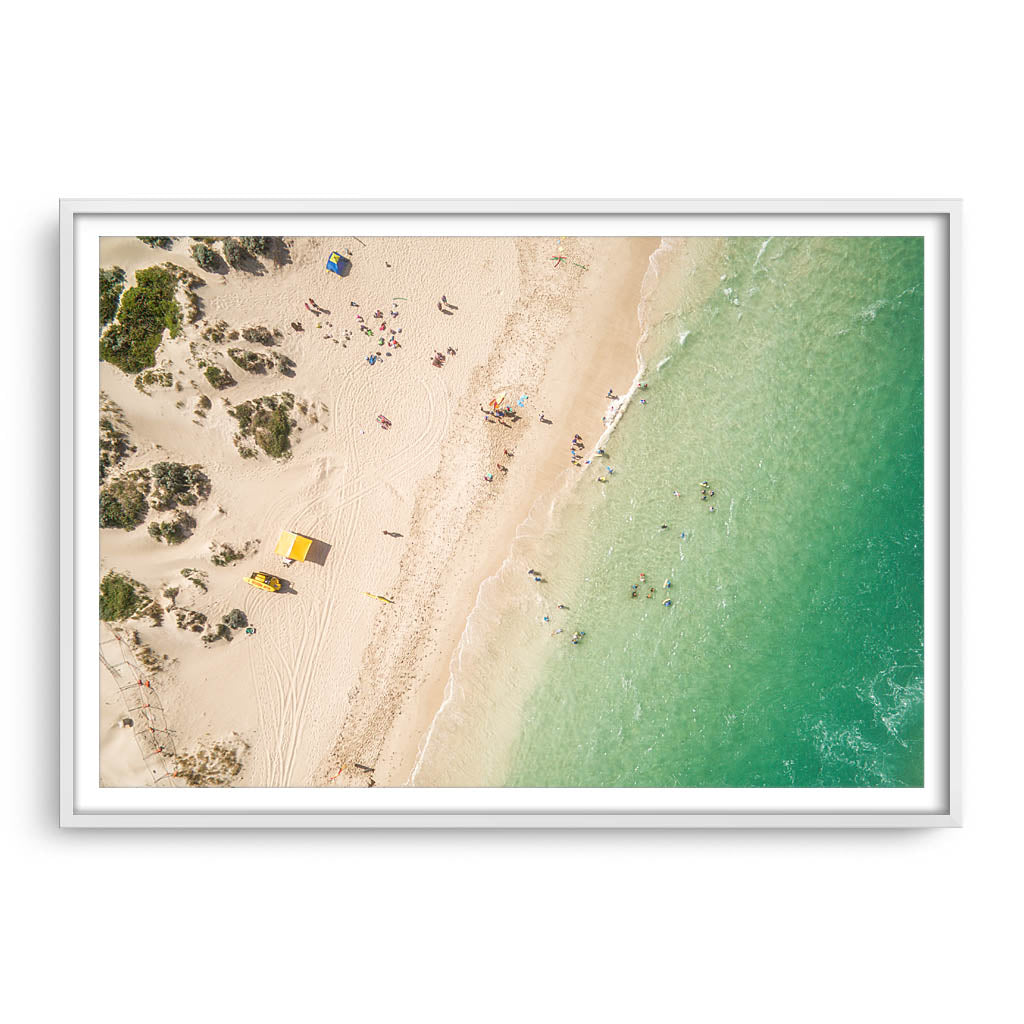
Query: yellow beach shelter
[(293, 546)]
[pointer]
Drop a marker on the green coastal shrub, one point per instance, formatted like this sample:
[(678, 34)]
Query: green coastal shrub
[(145, 312), (123, 501), (153, 378), (267, 422), (234, 251), (218, 378), (173, 530), (177, 484), (120, 597), (251, 362), (259, 335), (235, 619), (215, 332), (197, 578), (157, 241), (204, 255), (114, 447), (111, 285), (258, 245)]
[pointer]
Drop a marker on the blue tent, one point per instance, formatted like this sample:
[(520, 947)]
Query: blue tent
[(338, 264)]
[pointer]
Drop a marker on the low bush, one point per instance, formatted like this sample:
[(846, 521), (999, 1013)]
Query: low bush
[(258, 245), (123, 501), (215, 332), (221, 632), (266, 421), (218, 378), (196, 577), (259, 335), (205, 256), (153, 378), (157, 241), (235, 619), (145, 312), (173, 530), (177, 484), (234, 252), (225, 554), (214, 767), (120, 597), (191, 620), (251, 362), (114, 446), (111, 285)]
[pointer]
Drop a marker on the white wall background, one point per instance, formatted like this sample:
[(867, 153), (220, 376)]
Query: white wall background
[(525, 99)]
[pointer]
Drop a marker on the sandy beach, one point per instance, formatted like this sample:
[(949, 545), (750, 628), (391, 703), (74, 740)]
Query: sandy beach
[(333, 679)]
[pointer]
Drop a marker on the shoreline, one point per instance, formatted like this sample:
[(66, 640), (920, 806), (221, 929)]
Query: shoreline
[(674, 265), (591, 332)]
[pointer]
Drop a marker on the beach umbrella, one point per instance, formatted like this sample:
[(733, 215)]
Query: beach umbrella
[(522, 401)]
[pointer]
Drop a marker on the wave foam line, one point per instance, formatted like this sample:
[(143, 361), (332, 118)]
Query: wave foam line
[(647, 286)]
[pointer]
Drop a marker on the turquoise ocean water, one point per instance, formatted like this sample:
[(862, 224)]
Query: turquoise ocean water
[(792, 652)]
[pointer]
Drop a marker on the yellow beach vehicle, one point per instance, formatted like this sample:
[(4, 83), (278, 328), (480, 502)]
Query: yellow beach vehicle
[(292, 547), (264, 581)]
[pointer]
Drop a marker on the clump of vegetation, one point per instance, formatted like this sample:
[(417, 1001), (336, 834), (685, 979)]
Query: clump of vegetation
[(171, 593), (258, 245), (203, 405), (176, 484), (219, 632), (145, 312), (173, 530), (111, 285), (197, 578), (251, 362), (157, 241), (225, 554), (153, 378), (234, 251), (235, 619), (260, 335), (215, 332), (121, 597), (123, 501), (191, 620), (215, 766), (205, 256), (266, 421), (218, 378), (114, 444)]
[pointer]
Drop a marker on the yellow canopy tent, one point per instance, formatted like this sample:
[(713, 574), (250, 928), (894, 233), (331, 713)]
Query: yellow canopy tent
[(293, 546)]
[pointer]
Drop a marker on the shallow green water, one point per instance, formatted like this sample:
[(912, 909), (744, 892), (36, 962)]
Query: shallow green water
[(792, 654)]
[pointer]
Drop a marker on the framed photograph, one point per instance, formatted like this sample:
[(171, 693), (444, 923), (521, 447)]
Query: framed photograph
[(509, 514)]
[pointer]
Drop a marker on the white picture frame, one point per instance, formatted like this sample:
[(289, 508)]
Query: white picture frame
[(83, 805)]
